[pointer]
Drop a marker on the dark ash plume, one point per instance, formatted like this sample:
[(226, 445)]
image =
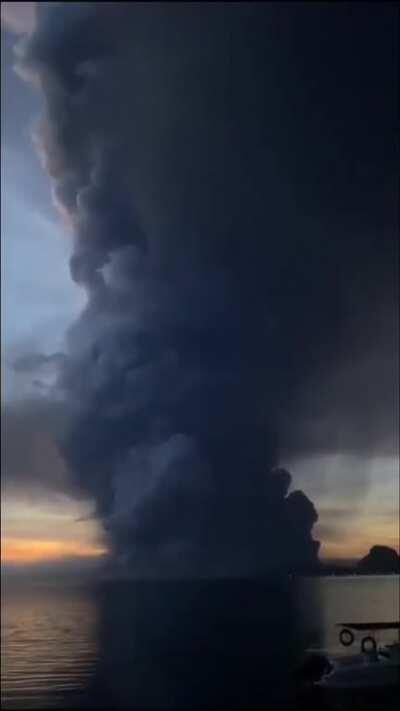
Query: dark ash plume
[(216, 284)]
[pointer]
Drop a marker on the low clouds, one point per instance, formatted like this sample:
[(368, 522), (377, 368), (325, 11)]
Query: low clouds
[(31, 462), (37, 361), (351, 408)]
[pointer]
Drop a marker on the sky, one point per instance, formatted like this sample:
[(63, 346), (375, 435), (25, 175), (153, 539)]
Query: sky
[(193, 178), (38, 303)]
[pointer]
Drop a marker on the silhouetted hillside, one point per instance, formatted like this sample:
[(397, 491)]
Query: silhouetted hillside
[(380, 559)]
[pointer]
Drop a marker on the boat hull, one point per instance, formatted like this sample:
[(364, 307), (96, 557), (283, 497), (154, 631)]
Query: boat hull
[(367, 676)]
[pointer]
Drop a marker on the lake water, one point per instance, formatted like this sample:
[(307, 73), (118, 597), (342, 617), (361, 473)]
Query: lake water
[(48, 646), (175, 645)]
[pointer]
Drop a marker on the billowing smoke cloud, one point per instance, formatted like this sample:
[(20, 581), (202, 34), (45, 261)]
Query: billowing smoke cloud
[(225, 259)]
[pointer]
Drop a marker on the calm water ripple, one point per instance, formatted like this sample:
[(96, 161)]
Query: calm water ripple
[(49, 647)]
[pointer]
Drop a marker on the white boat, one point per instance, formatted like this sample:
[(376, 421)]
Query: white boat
[(374, 668), (363, 671)]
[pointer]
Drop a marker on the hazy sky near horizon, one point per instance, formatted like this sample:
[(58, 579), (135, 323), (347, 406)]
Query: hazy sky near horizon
[(356, 494)]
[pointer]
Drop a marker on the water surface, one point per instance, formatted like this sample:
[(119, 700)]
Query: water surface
[(49, 646), (175, 645)]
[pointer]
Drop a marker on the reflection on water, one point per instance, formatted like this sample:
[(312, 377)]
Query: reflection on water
[(185, 645), (48, 646), (175, 645)]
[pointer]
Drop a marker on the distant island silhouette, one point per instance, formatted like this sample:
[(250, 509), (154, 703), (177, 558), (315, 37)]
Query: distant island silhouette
[(381, 560)]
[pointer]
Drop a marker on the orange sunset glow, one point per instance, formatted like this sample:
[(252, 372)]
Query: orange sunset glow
[(358, 549), (358, 544), (14, 550)]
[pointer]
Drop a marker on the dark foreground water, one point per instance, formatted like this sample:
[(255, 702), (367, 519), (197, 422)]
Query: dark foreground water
[(172, 645)]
